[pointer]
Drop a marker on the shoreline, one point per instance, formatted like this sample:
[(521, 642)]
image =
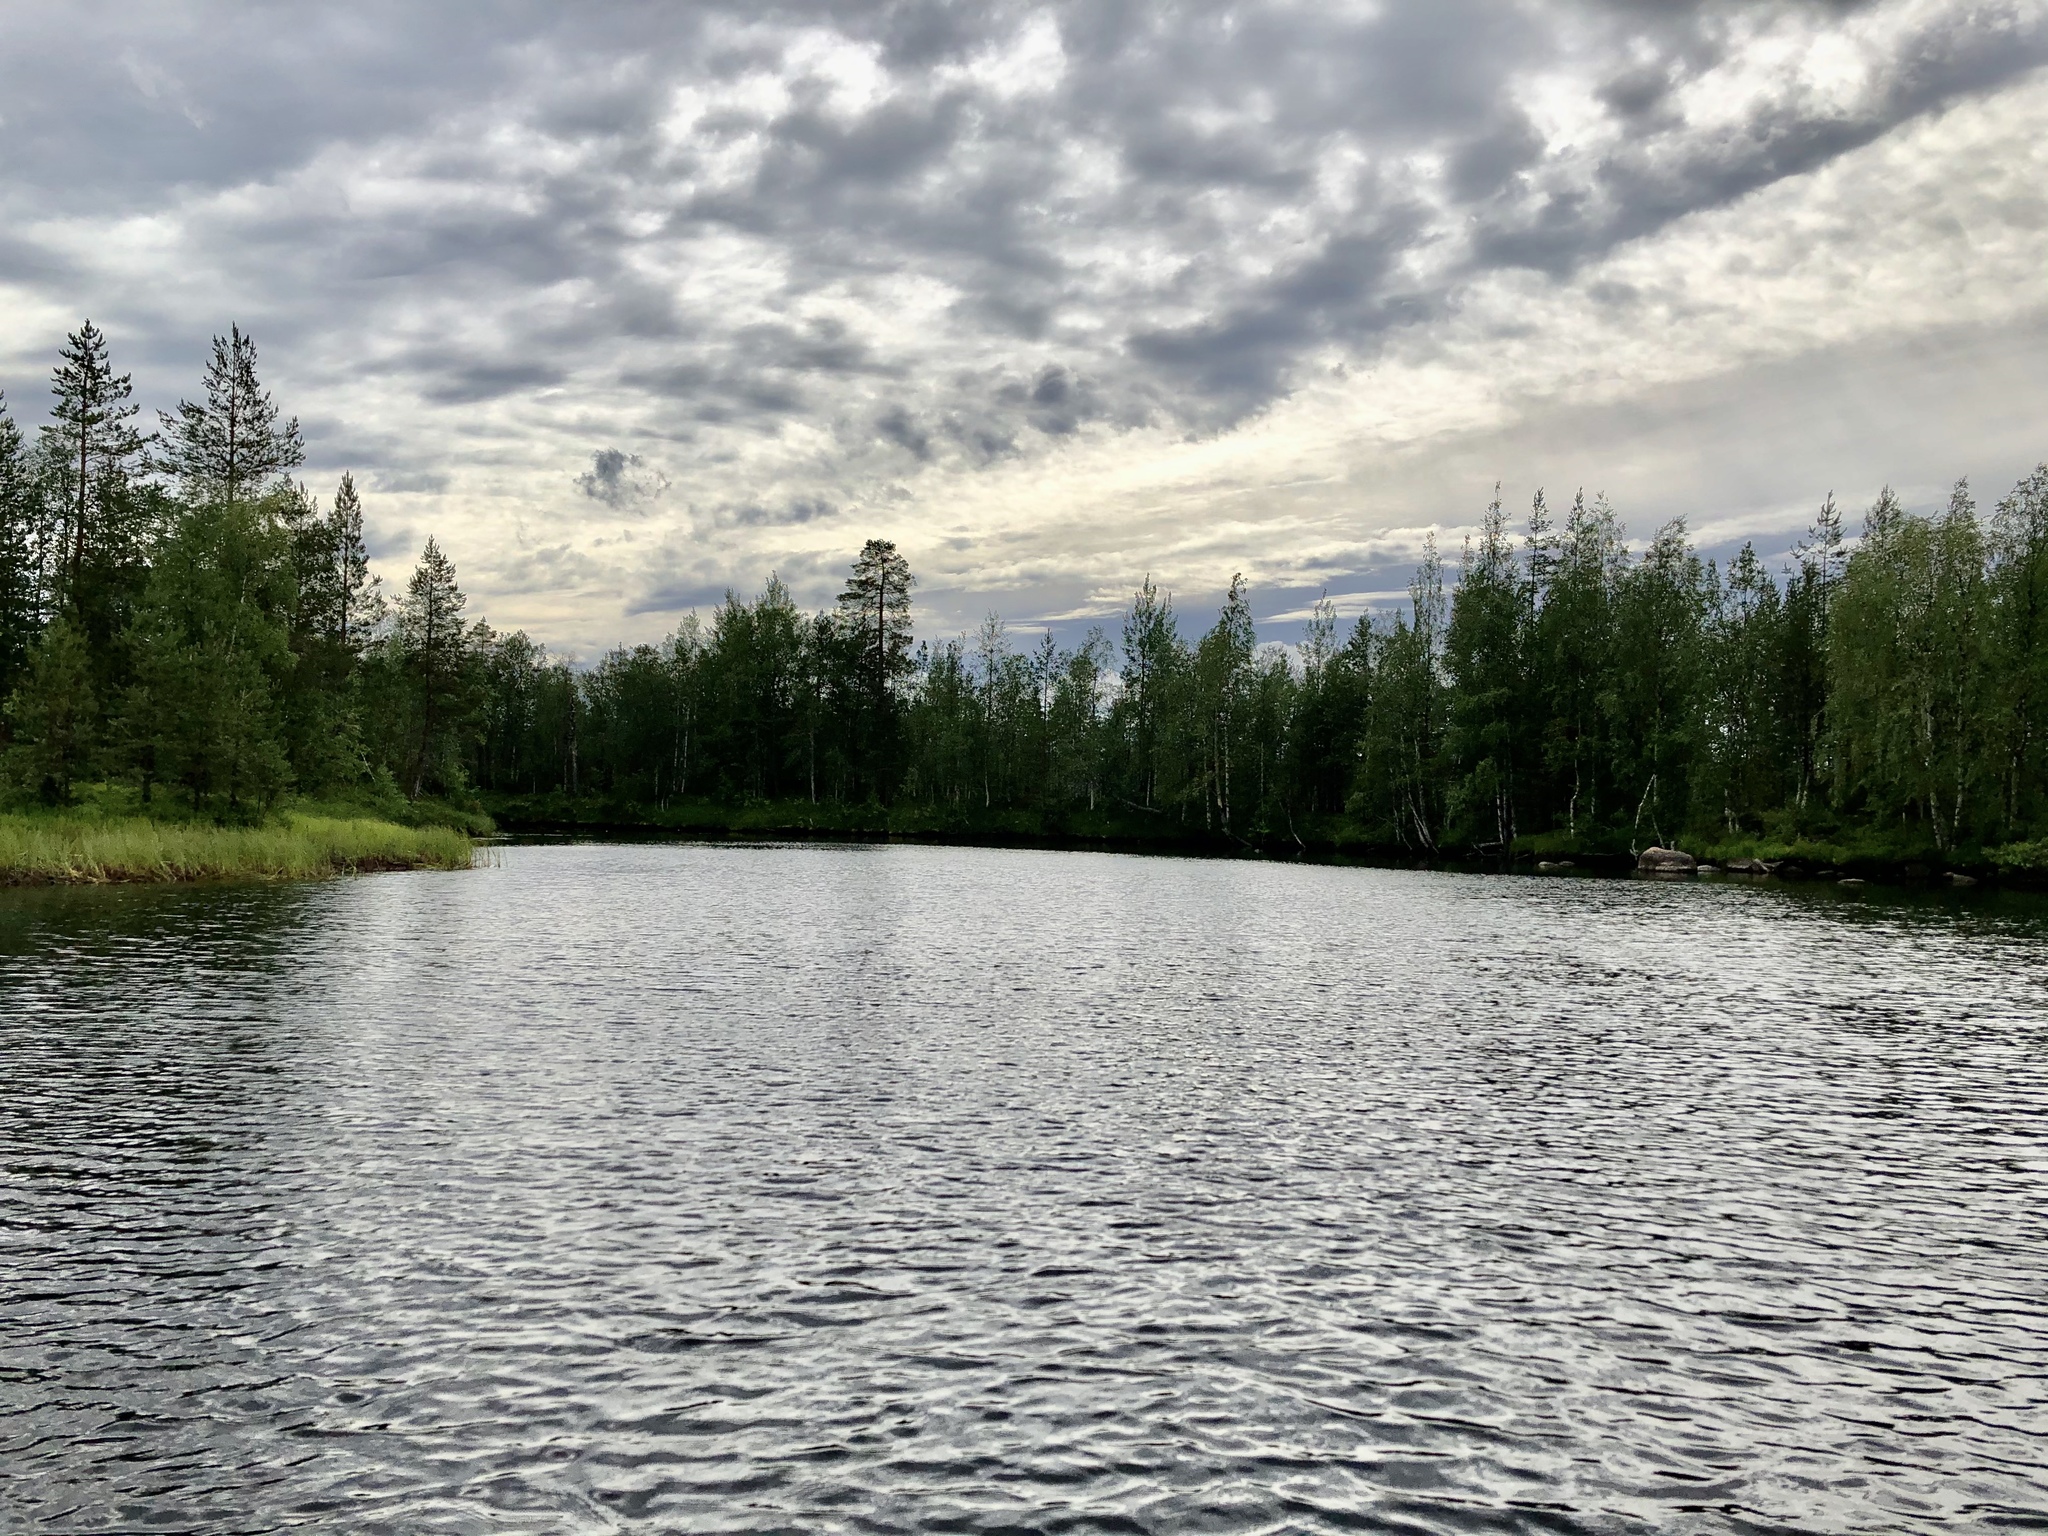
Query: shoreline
[(1795, 863)]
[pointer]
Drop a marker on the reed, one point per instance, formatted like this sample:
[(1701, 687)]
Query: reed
[(77, 850)]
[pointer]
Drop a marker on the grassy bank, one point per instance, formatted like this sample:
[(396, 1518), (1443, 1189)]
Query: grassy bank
[(60, 848)]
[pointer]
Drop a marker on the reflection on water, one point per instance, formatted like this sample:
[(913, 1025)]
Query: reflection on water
[(724, 1188)]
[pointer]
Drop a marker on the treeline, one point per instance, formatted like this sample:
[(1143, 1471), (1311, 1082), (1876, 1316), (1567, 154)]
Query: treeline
[(1568, 693), (177, 613)]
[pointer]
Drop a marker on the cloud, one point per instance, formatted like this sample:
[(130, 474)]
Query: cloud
[(620, 480), (916, 262)]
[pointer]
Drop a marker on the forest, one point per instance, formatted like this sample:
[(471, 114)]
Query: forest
[(181, 618)]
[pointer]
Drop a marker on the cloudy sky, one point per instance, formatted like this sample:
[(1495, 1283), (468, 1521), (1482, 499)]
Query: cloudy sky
[(627, 303)]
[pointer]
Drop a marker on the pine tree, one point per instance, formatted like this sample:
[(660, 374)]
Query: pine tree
[(874, 618), (359, 603), (875, 610), (95, 445), (229, 445), (435, 652)]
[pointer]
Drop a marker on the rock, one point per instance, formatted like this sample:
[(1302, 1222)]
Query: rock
[(1848, 880), (1956, 877), (1666, 861), (1552, 866), (1747, 867)]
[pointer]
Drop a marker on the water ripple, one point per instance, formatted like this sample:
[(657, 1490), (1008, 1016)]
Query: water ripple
[(805, 1189)]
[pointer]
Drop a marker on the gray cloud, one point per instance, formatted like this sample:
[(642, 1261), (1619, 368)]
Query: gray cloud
[(1217, 120), (621, 481), (832, 246)]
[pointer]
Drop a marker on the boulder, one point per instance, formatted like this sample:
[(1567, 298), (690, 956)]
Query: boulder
[(1666, 861), (1957, 877), (1552, 866), (1747, 867), (1848, 880)]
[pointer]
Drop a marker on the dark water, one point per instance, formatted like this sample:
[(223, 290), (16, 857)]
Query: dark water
[(742, 1189)]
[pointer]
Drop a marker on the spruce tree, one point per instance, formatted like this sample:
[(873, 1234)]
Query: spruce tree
[(96, 448), (434, 651), (359, 604), (230, 445)]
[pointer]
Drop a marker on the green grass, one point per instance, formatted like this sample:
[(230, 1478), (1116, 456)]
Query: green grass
[(54, 848)]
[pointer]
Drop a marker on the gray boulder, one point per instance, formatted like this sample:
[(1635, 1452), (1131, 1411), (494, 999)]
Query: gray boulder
[(1666, 861)]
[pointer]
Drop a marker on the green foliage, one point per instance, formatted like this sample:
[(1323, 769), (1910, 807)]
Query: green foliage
[(1907, 652), (54, 714), (211, 656)]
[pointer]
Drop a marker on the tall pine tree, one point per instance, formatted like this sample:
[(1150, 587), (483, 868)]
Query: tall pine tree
[(229, 445)]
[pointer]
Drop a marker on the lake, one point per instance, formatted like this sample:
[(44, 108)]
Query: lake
[(765, 1188)]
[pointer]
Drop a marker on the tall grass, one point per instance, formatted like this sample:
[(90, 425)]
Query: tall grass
[(58, 849)]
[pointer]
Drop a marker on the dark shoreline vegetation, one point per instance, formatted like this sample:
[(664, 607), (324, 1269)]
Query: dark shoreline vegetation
[(188, 640)]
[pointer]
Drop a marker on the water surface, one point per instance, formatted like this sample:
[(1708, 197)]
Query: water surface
[(718, 1188)]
